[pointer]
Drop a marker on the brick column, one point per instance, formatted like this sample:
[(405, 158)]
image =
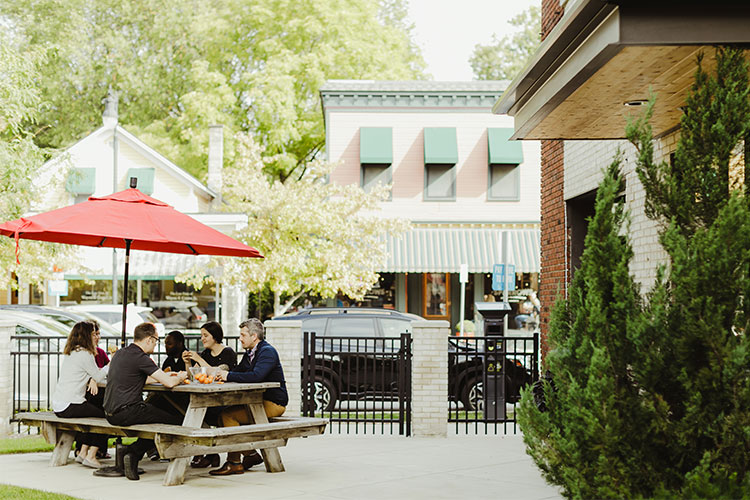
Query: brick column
[(429, 378), (286, 337), (7, 328)]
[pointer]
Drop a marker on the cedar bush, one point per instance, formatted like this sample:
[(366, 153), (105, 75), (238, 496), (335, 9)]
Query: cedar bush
[(650, 396)]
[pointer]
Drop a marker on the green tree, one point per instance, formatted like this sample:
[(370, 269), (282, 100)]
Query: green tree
[(505, 57), (651, 398), (317, 237), (180, 65), (20, 161)]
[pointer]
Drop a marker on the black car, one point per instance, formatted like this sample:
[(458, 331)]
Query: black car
[(357, 352), (357, 356)]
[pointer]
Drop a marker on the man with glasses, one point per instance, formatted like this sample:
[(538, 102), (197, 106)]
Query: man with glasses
[(130, 369)]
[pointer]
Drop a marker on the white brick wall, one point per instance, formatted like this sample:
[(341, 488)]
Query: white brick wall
[(584, 163), (286, 337), (6, 377), (429, 378)]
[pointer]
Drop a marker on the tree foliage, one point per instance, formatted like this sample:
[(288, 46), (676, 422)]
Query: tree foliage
[(505, 57), (180, 65), (317, 237), (651, 398), (20, 159)]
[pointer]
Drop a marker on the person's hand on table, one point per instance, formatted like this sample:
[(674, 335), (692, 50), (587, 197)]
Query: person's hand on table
[(222, 375)]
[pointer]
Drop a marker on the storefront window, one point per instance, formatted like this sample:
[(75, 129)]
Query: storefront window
[(382, 294)]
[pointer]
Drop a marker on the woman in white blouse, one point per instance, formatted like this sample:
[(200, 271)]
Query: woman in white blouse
[(79, 373)]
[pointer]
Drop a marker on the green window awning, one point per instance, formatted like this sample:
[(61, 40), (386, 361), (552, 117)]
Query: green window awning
[(81, 181), (501, 150), (440, 146), (145, 178), (443, 250), (376, 145)]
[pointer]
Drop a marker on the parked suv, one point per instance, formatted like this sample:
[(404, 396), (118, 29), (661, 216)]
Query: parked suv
[(112, 314), (179, 314), (351, 370), (358, 368)]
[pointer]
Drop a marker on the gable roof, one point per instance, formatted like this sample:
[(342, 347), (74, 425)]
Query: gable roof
[(105, 131)]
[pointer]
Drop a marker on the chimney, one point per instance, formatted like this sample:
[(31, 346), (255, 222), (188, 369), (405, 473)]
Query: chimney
[(109, 117), (215, 161)]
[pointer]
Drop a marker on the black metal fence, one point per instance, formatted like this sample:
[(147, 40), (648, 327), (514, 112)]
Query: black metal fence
[(361, 384), (485, 378), (37, 362)]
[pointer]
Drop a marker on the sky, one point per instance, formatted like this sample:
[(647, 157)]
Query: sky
[(448, 30)]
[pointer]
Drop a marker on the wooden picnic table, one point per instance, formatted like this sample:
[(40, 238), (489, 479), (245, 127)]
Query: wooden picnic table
[(180, 442), (204, 396)]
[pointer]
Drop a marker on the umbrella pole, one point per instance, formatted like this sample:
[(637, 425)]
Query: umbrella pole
[(125, 292)]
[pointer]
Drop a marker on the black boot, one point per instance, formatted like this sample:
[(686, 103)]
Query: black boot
[(130, 463), (119, 468)]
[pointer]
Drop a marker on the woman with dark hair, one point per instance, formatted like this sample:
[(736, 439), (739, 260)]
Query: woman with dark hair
[(214, 354), (78, 374)]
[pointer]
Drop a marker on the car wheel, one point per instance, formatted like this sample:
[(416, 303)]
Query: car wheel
[(323, 394), (473, 395)]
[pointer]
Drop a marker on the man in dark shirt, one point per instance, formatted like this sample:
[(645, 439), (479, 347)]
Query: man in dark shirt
[(130, 369), (174, 343), (259, 364)]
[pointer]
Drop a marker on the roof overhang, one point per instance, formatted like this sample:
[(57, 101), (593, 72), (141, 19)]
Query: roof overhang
[(602, 55)]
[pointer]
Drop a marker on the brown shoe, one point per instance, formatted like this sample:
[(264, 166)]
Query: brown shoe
[(227, 469), (250, 460)]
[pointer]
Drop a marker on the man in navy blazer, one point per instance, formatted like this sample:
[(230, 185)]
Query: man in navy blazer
[(259, 364)]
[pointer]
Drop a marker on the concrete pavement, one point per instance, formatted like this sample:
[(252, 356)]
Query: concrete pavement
[(322, 467)]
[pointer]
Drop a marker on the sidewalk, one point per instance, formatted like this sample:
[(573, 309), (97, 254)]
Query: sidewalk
[(329, 466)]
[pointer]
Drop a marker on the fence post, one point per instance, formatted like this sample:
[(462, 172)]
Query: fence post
[(286, 337), (7, 328), (429, 378)]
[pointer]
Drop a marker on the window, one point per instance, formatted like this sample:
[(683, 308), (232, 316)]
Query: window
[(393, 328), (505, 156), (503, 183), (440, 158), (352, 327), (372, 175), (440, 182)]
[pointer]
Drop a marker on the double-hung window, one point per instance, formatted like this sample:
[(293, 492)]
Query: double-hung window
[(503, 173), (440, 159)]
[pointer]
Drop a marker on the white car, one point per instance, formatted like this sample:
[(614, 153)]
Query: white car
[(36, 351), (112, 314)]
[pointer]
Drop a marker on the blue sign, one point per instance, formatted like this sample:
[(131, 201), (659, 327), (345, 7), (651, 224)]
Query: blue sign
[(510, 277), (502, 277), (498, 275)]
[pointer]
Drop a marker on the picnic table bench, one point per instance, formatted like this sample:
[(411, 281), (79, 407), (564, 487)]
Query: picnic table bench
[(180, 442)]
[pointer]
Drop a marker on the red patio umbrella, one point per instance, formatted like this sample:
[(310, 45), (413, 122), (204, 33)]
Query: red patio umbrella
[(128, 219)]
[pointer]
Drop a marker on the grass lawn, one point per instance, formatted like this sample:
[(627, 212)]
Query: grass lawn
[(17, 493), (34, 444)]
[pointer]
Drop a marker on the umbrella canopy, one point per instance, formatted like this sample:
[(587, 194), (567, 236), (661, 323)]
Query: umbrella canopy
[(128, 219)]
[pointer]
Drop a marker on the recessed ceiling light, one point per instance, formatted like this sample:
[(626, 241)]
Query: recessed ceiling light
[(635, 102)]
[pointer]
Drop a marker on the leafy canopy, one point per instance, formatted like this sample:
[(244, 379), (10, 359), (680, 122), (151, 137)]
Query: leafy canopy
[(504, 58), (181, 65)]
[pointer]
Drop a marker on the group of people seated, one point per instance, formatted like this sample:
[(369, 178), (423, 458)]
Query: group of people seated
[(86, 366)]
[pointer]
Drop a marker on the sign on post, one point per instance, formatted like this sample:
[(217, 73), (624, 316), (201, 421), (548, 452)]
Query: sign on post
[(57, 287), (503, 276), (510, 277), (498, 277)]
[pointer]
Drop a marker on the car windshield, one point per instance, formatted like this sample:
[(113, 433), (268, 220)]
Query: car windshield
[(393, 328)]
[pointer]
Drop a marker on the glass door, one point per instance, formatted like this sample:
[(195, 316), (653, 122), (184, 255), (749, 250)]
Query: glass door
[(436, 301)]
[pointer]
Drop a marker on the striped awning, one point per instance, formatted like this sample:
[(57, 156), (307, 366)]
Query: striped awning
[(143, 265), (443, 250)]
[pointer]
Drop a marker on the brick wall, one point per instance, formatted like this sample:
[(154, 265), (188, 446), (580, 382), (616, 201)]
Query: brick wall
[(286, 337), (554, 258), (429, 383), (551, 14)]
